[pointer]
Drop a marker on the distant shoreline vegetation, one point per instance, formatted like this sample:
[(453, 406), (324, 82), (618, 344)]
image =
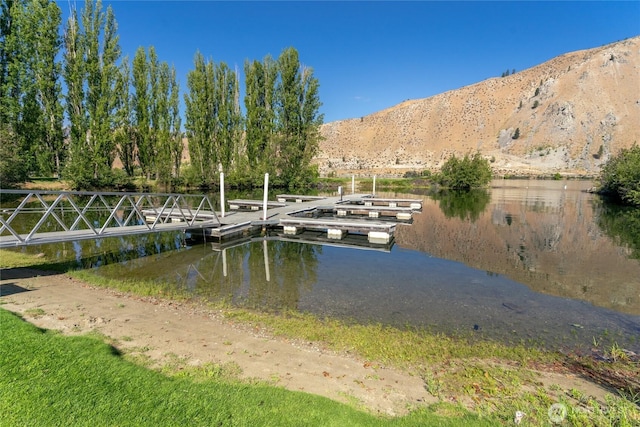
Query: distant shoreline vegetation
[(620, 177)]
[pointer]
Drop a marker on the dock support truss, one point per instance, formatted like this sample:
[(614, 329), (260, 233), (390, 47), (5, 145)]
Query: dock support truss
[(76, 215)]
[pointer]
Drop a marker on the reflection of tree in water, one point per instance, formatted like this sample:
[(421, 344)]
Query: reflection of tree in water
[(292, 268), (466, 205), (621, 223)]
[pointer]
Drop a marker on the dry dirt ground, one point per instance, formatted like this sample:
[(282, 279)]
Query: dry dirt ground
[(164, 330)]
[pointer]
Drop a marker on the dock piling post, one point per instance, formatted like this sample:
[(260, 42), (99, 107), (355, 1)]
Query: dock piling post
[(222, 193), (266, 192)]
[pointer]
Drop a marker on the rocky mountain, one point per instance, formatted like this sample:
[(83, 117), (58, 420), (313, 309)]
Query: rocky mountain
[(567, 115)]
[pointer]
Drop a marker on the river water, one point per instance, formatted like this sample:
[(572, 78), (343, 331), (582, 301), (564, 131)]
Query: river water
[(543, 263)]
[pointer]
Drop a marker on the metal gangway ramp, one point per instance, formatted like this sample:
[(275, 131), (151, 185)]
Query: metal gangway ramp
[(60, 216)]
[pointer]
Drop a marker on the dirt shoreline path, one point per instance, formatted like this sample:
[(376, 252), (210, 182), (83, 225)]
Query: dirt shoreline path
[(164, 330)]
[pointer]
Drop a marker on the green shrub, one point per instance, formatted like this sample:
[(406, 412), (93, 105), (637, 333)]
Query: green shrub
[(411, 174), (466, 173), (620, 176), (121, 181), (190, 176)]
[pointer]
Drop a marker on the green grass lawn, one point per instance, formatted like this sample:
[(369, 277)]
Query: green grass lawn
[(49, 379)]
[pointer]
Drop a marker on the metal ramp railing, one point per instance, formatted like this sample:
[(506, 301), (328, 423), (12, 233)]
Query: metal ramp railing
[(57, 216)]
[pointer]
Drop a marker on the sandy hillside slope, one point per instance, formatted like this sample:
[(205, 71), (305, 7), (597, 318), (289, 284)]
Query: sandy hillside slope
[(572, 112)]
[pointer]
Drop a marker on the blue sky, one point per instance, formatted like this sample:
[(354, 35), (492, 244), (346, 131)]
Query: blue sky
[(369, 56)]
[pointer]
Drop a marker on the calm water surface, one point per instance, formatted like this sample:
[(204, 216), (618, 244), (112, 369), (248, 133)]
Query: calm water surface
[(539, 262)]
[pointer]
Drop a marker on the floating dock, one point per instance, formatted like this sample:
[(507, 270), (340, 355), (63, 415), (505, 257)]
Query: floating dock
[(373, 218)]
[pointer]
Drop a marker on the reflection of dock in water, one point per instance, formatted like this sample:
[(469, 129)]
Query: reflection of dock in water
[(229, 257), (355, 241)]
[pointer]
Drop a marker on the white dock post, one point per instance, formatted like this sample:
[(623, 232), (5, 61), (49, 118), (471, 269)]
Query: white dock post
[(353, 184), (374, 185), (222, 193), (266, 192)]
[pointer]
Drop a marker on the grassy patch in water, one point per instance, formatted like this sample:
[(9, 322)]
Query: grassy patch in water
[(147, 288), (386, 344), (14, 259)]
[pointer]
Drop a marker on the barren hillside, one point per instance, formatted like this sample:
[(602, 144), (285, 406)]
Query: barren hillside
[(572, 112)]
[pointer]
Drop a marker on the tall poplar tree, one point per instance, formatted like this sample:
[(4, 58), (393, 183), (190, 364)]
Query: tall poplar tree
[(199, 114), (157, 119), (125, 132), (175, 124), (213, 118), (44, 23), (30, 104), (102, 78), (73, 72), (228, 121), (259, 101), (12, 164), (142, 111), (297, 120), (12, 57), (91, 74)]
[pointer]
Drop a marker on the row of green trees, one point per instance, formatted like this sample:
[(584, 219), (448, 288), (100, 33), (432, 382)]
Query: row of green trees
[(115, 108)]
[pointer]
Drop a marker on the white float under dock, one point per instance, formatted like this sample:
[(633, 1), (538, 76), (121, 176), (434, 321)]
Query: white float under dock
[(377, 232), (398, 212)]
